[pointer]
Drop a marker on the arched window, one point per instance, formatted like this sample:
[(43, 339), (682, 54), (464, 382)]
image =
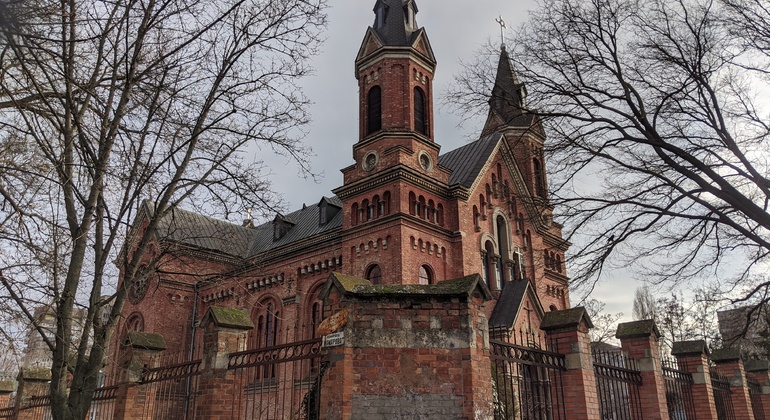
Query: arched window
[(476, 217), (413, 204), (374, 274), (366, 211), (354, 214), (420, 116), (440, 216), (374, 110), (422, 210), (135, 323), (386, 203), (426, 275), (267, 326), (502, 245), (488, 260), (539, 178)]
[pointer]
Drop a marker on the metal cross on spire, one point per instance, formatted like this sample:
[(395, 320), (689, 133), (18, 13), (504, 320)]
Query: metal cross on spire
[(501, 22)]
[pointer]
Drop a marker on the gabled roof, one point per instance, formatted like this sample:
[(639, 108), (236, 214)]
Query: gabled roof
[(510, 303), (203, 232), (466, 162)]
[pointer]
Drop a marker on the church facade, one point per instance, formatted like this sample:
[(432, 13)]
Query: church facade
[(406, 214)]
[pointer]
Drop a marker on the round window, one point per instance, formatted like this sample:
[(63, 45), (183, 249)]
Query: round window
[(425, 161), (370, 161)]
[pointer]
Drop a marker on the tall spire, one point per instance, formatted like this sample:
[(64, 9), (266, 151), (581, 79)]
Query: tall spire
[(508, 99), (395, 21)]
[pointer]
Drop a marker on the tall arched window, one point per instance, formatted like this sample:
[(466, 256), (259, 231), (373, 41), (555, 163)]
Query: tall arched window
[(502, 245), (374, 274), (420, 116), (488, 261), (426, 275), (374, 110), (539, 178)]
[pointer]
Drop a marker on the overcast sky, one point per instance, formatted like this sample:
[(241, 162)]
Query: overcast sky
[(456, 29)]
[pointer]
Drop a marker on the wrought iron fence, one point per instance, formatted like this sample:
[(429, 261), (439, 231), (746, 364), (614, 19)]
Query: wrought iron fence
[(722, 399), (171, 391), (103, 404), (617, 384), (38, 408), (278, 382), (755, 392), (678, 391), (527, 381), (7, 413)]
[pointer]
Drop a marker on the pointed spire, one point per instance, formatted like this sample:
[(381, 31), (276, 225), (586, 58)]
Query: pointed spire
[(395, 21), (508, 95)]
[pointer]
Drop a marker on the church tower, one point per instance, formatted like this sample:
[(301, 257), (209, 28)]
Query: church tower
[(395, 196)]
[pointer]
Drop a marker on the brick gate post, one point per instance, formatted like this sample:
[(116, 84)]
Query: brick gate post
[(224, 331), (692, 357), (6, 389), (569, 330), (728, 363), (639, 339), (133, 400), (759, 371)]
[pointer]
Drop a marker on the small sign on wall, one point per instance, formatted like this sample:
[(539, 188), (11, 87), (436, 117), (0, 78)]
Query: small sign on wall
[(333, 339)]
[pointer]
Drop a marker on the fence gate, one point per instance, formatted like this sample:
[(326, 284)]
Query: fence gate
[(617, 383), (278, 382), (527, 382), (678, 391)]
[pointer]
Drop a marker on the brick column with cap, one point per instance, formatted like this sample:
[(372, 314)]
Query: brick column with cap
[(759, 372), (569, 330), (692, 357), (224, 331), (6, 389), (729, 364), (139, 351), (639, 339), (32, 383)]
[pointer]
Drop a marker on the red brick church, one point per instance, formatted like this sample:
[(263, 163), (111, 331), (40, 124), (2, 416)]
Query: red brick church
[(406, 213), (407, 217)]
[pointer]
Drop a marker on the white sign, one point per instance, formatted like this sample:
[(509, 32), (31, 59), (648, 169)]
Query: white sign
[(333, 339)]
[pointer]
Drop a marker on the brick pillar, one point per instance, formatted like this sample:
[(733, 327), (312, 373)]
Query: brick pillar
[(32, 383), (6, 389), (569, 329), (759, 371), (408, 351), (639, 339), (138, 352), (729, 364), (224, 331), (692, 357)]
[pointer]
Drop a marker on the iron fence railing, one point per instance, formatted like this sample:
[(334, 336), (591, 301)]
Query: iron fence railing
[(617, 385), (527, 382), (755, 392), (678, 391), (722, 396), (278, 382)]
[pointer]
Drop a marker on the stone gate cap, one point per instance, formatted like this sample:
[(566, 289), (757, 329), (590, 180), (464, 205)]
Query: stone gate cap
[(35, 374), (146, 341), (755, 365), (7, 386), (228, 318), (691, 347), (634, 329), (725, 355), (565, 318)]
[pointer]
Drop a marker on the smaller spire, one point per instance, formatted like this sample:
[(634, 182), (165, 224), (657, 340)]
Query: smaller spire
[(508, 99)]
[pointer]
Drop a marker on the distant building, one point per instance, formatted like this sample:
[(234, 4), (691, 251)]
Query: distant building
[(746, 328)]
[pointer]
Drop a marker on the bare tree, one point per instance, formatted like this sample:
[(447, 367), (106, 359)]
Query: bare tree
[(103, 104), (605, 324), (657, 132)]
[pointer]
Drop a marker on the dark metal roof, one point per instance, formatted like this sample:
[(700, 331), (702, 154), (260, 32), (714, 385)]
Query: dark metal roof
[(306, 225), (507, 307), (392, 23), (466, 162), (205, 232), (508, 95)]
